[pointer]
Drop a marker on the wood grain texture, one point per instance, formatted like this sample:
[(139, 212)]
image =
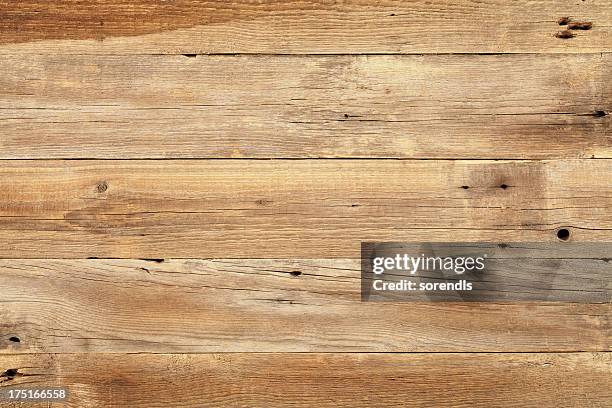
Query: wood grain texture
[(310, 27), (257, 305), (322, 380), (290, 208), (525, 271), (460, 106), (244, 149)]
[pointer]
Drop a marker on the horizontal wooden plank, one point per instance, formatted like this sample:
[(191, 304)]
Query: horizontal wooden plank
[(546, 272), (484, 106), (291, 208), (322, 380), (224, 305), (291, 26)]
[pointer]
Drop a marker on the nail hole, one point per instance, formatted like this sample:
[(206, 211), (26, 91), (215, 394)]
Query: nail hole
[(295, 273), (102, 187), (563, 20), (465, 187), (346, 116), (10, 373), (14, 339), (563, 234), (503, 186), (564, 34), (263, 201), (392, 14)]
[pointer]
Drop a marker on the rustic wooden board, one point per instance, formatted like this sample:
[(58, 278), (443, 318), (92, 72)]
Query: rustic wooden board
[(290, 26), (163, 106), (193, 133), (322, 380), (224, 305), (290, 208)]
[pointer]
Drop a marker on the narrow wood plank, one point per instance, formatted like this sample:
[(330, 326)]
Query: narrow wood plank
[(322, 380), (291, 208), (291, 26), (224, 305), (484, 106)]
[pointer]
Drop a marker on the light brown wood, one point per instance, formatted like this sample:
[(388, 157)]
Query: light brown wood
[(291, 208), (291, 26), (322, 380), (460, 106), (243, 150), (256, 305)]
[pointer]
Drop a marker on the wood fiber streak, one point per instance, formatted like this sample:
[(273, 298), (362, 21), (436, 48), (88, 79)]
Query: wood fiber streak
[(291, 208), (306, 27), (483, 106), (256, 305), (323, 380)]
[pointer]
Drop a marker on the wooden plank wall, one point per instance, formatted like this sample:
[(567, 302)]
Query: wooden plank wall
[(184, 187)]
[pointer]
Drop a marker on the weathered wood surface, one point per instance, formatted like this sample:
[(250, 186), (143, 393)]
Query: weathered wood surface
[(311, 27), (291, 208), (358, 80), (163, 106), (299, 305), (546, 272), (321, 380)]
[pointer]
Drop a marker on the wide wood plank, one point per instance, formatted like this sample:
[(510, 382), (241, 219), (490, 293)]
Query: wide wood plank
[(291, 208), (322, 380), (483, 106), (291, 26), (225, 305)]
